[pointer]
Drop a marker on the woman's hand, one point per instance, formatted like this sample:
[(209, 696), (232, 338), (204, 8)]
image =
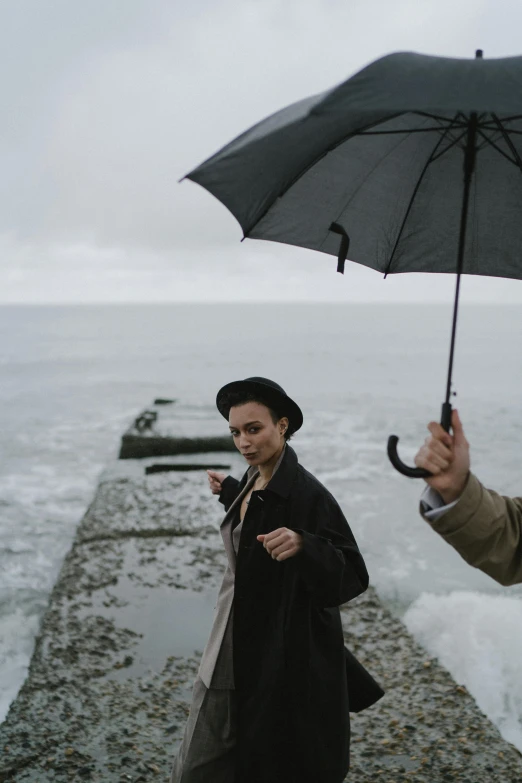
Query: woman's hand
[(215, 480), (282, 543)]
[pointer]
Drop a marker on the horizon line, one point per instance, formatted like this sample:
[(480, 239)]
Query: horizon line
[(170, 302)]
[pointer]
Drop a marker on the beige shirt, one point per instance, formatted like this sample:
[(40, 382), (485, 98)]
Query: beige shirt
[(219, 645)]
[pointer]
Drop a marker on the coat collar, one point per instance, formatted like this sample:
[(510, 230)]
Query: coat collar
[(283, 477)]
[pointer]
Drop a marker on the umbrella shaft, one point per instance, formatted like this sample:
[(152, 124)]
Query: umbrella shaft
[(469, 167)]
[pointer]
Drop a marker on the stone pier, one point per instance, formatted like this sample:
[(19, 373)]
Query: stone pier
[(109, 684)]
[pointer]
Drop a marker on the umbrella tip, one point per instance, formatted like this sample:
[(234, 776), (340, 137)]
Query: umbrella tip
[(478, 54)]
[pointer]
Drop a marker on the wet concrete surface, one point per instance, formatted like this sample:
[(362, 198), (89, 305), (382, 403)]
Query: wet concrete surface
[(163, 603), (108, 690)]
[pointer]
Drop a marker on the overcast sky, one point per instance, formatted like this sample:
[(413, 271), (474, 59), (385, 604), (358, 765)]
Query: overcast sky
[(105, 104)]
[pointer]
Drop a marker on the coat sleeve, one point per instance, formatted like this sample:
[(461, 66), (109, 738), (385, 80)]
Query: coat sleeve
[(486, 530), (330, 564), (229, 491)]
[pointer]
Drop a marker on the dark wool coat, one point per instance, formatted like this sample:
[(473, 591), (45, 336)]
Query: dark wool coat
[(289, 662)]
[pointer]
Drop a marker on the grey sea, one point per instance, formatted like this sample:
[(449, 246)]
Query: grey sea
[(72, 378)]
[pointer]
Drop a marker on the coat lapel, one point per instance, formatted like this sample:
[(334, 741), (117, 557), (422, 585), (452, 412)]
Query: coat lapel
[(226, 525)]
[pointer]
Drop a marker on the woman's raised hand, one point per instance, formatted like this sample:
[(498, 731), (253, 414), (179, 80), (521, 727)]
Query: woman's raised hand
[(215, 480)]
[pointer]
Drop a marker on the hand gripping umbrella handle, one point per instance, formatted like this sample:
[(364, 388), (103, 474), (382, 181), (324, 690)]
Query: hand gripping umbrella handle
[(396, 461)]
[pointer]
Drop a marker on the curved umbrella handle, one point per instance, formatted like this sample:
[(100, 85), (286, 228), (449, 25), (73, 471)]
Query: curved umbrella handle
[(399, 465)]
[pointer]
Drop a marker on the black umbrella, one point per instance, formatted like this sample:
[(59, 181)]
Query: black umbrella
[(412, 165)]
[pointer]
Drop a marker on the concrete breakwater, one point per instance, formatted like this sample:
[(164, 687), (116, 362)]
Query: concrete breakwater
[(109, 683), (160, 431)]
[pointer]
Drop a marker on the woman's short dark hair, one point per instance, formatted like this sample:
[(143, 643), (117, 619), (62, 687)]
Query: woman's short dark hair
[(235, 398)]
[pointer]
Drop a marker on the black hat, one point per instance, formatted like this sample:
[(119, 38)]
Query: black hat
[(268, 390)]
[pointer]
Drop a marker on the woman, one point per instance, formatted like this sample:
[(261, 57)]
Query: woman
[(270, 702)]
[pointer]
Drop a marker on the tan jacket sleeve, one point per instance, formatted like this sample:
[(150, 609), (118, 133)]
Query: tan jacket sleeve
[(486, 530)]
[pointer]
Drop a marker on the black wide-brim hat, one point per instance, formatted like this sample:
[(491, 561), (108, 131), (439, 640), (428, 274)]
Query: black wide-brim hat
[(269, 391)]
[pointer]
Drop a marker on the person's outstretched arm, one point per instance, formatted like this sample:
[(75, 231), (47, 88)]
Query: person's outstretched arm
[(484, 527)]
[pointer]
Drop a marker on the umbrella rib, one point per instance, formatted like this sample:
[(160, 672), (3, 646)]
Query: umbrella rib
[(509, 142), (246, 231), (310, 165), (449, 147), (401, 141), (495, 146), (509, 119), (405, 130), (512, 132), (445, 120), (415, 191), (302, 172)]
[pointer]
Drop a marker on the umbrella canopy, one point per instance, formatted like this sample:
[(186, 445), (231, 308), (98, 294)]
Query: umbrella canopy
[(412, 165), (381, 155)]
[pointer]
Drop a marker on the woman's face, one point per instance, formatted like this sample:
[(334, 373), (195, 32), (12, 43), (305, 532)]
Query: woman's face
[(255, 434)]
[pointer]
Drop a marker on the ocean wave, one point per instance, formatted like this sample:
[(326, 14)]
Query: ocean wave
[(478, 638)]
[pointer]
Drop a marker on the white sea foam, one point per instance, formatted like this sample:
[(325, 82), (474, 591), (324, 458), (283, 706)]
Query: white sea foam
[(478, 638), (17, 632)]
